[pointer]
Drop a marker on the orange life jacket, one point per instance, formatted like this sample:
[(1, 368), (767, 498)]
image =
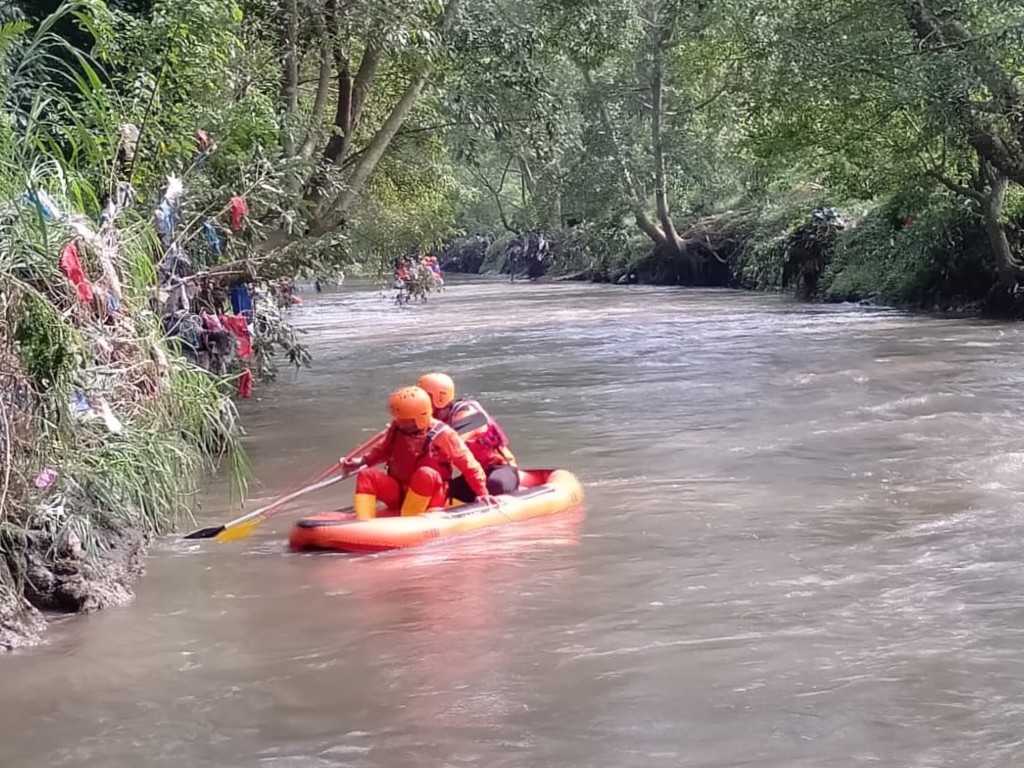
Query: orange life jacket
[(439, 447), (482, 434), (406, 453)]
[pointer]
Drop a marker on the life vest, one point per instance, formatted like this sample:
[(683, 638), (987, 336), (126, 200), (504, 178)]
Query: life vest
[(410, 452), (483, 435)]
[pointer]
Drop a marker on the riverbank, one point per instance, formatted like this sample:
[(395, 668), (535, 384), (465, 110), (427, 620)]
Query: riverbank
[(115, 393), (133, 308), (934, 259), (109, 416), (105, 426)]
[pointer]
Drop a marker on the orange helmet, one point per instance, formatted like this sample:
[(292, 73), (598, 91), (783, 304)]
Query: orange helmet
[(440, 387), (411, 403)]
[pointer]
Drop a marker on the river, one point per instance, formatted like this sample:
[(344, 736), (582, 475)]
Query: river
[(801, 546)]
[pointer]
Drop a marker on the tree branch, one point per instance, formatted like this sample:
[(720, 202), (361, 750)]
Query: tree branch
[(333, 152), (952, 186), (496, 194), (657, 86), (363, 82), (353, 157), (289, 96), (527, 174)]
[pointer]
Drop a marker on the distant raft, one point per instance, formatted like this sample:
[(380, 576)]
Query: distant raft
[(542, 492)]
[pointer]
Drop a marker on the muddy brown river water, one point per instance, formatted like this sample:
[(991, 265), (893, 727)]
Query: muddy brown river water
[(801, 546)]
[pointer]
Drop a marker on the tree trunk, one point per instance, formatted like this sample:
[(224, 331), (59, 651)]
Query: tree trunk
[(364, 80), (527, 174), (323, 90), (672, 242), (352, 96), (649, 228), (991, 210), (501, 213), (342, 112), (350, 108), (289, 97), (545, 204), (996, 150), (943, 34), (352, 93), (496, 193), (627, 177), (988, 191), (367, 162), (643, 221)]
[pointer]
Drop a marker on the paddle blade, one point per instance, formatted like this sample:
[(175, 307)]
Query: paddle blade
[(240, 531), (205, 533)]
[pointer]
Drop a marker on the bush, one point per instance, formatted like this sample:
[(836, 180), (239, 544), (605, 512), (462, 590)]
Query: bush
[(604, 252), (937, 258)]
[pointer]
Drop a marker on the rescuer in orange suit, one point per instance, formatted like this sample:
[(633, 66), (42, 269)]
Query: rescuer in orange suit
[(481, 433), (420, 452)]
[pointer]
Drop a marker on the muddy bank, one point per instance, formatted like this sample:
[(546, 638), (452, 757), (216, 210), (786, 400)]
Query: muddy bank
[(938, 260), (20, 623), (57, 575)]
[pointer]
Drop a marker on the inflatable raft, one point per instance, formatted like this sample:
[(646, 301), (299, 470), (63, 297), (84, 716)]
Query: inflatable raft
[(542, 492)]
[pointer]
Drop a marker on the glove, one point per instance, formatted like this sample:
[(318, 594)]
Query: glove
[(351, 465)]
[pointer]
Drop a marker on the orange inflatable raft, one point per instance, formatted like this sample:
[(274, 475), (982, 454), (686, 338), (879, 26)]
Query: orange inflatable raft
[(541, 492)]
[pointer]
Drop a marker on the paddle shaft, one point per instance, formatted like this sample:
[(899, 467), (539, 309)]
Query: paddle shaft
[(351, 455), (318, 483), (290, 497), (315, 486)]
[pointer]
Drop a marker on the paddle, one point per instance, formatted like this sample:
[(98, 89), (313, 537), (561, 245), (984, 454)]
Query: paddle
[(243, 526)]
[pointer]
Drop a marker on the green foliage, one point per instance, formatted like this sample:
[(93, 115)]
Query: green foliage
[(144, 483), (201, 414), (761, 263), (46, 344), (411, 205), (931, 258), (535, 114), (762, 266), (172, 69), (876, 262), (603, 252), (246, 130), (766, 104)]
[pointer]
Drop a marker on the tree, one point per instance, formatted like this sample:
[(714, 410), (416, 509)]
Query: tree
[(304, 97), (870, 101), (654, 67), (397, 45)]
